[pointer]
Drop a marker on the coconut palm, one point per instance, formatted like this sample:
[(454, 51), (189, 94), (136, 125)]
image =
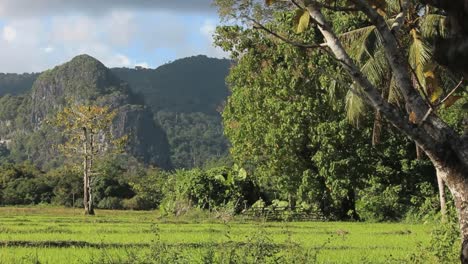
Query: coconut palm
[(365, 46)]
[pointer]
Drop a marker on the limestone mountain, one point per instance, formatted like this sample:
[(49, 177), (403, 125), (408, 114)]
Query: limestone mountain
[(83, 80), (185, 97)]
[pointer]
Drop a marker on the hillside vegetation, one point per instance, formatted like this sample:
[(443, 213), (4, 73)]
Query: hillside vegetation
[(185, 111)]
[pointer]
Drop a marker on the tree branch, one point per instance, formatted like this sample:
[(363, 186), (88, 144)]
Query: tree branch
[(451, 93), (338, 8), (400, 18), (284, 39), (371, 92), (414, 102), (428, 134)]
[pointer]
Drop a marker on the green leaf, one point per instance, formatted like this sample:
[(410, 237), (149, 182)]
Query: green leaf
[(220, 178), (302, 20), (242, 174)]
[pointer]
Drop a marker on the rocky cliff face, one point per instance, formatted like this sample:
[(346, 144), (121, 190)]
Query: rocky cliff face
[(85, 80), (148, 141)]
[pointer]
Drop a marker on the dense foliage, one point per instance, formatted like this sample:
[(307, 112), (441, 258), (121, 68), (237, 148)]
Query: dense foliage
[(196, 139), (289, 135), (286, 121)]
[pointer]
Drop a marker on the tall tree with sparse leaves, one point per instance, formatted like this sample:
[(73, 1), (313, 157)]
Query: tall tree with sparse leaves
[(87, 135)]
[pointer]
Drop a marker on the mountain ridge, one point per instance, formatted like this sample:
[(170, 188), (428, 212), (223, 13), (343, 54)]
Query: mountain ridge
[(85, 80), (182, 98)]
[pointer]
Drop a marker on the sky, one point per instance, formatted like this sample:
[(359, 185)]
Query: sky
[(36, 35)]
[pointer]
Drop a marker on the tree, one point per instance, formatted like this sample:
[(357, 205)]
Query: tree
[(88, 136), (287, 127), (418, 117)]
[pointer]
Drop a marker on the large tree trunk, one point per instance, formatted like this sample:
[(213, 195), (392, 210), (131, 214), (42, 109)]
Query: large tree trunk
[(87, 201), (442, 198), (440, 185), (456, 178), (377, 131)]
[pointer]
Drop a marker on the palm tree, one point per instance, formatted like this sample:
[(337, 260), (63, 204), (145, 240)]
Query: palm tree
[(365, 47)]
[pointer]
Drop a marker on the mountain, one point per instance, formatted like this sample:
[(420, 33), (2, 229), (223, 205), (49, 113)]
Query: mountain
[(83, 80), (185, 97), (194, 84), (16, 84)]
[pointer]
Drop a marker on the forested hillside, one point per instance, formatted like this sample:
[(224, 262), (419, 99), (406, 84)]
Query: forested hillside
[(187, 96), (29, 136), (15, 84), (186, 108), (194, 84)]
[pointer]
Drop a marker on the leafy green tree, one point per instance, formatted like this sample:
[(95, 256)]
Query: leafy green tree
[(226, 187), (23, 184), (287, 127), (68, 185)]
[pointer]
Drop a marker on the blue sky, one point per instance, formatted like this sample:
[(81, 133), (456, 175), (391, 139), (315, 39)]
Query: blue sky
[(37, 35)]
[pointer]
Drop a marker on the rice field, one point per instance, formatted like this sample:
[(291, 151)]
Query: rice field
[(57, 235)]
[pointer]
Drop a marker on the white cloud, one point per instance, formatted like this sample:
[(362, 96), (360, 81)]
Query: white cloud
[(121, 60), (118, 38), (48, 49), (207, 30), (9, 33), (42, 44), (72, 29)]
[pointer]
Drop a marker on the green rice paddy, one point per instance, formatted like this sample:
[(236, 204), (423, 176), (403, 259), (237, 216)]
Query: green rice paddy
[(56, 235)]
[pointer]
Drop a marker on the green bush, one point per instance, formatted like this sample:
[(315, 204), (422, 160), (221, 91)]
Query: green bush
[(149, 190), (137, 203), (24, 185), (110, 203), (424, 205), (208, 189), (379, 203)]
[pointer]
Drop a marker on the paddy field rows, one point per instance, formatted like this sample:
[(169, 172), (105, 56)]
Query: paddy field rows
[(56, 235)]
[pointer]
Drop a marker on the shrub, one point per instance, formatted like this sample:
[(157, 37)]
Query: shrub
[(137, 203), (378, 203), (208, 189), (110, 203)]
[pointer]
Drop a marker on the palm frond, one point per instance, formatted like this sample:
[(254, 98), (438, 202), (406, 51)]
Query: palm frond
[(420, 54), (433, 25), (355, 107), (376, 68), (394, 94), (393, 6), (360, 43)]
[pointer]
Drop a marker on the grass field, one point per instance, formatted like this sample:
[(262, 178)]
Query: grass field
[(56, 235)]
